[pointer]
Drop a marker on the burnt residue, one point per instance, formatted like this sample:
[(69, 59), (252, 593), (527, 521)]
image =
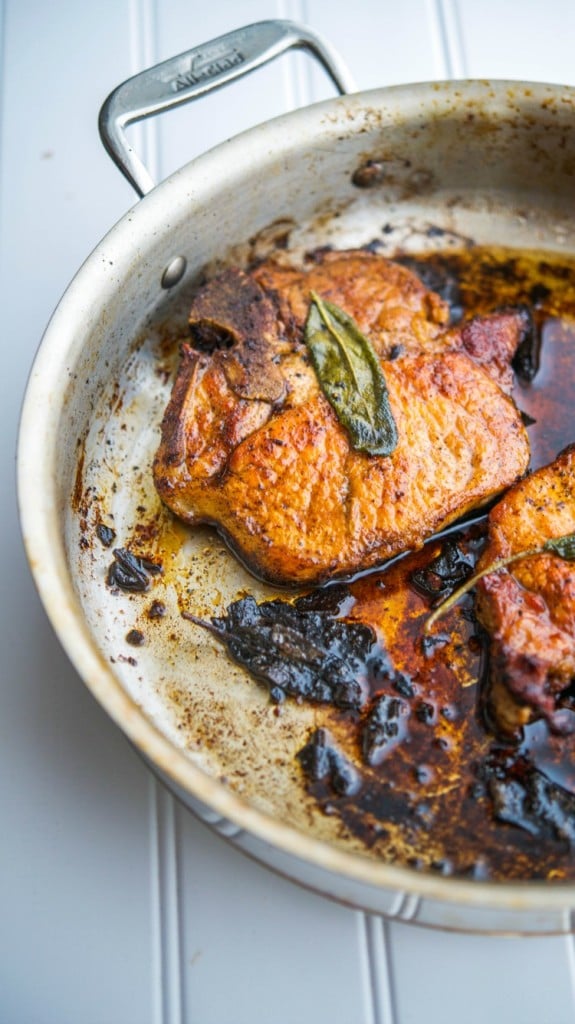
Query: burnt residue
[(524, 797), (321, 761), (78, 496), (384, 725), (433, 787), (444, 573), (404, 757), (157, 610), (439, 274), (135, 638), (105, 534), (369, 174), (527, 356), (131, 572)]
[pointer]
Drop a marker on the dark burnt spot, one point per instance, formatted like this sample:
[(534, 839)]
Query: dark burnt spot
[(316, 255), (524, 797), (445, 573), (376, 245), (526, 360), (157, 610), (395, 352), (131, 572), (439, 274), (403, 684), (425, 712), (370, 174), (321, 761), (384, 725), (208, 336), (105, 534), (135, 638), (435, 231), (539, 294)]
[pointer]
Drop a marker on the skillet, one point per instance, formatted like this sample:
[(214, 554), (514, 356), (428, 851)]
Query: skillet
[(420, 167)]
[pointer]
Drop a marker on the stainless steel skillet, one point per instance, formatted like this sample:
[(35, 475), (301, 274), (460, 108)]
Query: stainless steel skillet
[(489, 161)]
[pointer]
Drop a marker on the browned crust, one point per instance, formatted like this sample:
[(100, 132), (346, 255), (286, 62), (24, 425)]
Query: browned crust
[(278, 476), (529, 607)]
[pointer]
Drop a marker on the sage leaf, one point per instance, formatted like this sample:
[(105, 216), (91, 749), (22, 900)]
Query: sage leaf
[(563, 546), (351, 378), (297, 652)]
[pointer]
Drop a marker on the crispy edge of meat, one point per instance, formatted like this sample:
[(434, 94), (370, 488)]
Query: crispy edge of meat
[(525, 608)]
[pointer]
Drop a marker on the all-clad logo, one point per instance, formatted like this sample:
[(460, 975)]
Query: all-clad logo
[(202, 68)]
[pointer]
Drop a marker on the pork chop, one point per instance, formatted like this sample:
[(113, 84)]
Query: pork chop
[(251, 444), (528, 608)]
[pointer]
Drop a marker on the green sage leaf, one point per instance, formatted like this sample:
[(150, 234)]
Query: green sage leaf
[(351, 378), (562, 546)]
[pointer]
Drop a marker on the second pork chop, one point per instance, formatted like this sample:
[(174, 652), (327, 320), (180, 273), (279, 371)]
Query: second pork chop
[(528, 608)]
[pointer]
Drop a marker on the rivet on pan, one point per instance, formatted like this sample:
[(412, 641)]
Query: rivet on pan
[(174, 272)]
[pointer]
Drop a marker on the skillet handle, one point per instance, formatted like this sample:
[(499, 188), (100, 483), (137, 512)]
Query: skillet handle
[(198, 71)]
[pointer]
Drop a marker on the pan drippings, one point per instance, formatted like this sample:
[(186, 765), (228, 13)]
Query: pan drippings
[(446, 794)]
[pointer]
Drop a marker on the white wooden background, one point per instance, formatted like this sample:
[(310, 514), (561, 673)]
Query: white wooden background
[(117, 907)]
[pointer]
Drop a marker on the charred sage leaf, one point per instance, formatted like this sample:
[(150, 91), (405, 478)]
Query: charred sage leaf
[(563, 546), (321, 761), (351, 378), (296, 653), (130, 572)]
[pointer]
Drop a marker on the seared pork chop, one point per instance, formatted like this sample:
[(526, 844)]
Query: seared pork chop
[(251, 444), (528, 608)]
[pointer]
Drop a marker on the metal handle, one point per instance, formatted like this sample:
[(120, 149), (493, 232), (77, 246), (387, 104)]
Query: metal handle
[(197, 72)]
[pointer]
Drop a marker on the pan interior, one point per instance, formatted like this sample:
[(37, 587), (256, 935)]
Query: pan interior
[(408, 171)]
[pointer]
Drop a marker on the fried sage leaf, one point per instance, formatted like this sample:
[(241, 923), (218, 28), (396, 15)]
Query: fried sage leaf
[(351, 378), (295, 652), (564, 547)]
